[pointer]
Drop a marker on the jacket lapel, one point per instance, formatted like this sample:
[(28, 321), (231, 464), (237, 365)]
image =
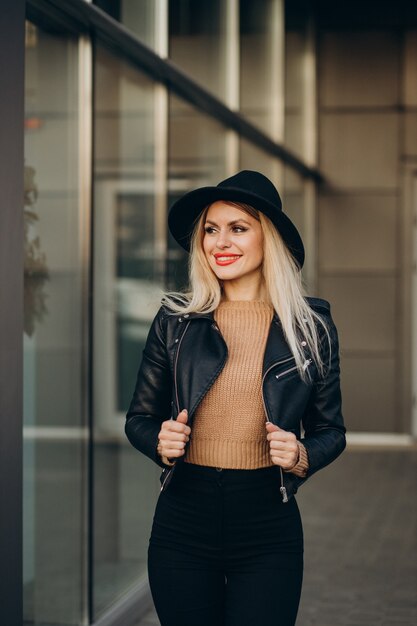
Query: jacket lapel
[(276, 346)]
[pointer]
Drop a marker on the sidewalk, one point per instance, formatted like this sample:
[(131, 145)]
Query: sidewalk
[(360, 527)]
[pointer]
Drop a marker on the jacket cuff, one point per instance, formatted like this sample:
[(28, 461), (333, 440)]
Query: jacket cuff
[(302, 465)]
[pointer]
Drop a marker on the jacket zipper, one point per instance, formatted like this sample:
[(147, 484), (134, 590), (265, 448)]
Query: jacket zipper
[(170, 470), (282, 488), (175, 368), (305, 365), (168, 473)]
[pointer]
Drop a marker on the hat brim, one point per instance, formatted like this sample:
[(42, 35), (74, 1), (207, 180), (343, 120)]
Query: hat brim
[(186, 210)]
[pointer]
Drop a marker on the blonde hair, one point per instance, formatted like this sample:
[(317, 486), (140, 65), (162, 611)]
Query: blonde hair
[(282, 288)]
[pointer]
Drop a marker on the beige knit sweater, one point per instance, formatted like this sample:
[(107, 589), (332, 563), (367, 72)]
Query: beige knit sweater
[(229, 424)]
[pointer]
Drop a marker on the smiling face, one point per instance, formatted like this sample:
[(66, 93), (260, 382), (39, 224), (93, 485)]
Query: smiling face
[(233, 243)]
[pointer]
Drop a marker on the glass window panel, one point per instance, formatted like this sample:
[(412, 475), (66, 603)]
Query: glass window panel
[(290, 185), (128, 280), (137, 15), (54, 448), (197, 145), (197, 41), (295, 89), (257, 50), (253, 158)]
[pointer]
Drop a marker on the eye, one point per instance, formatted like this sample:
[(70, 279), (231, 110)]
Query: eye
[(239, 229), (209, 229)]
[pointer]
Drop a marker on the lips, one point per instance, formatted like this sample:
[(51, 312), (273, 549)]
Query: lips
[(226, 259)]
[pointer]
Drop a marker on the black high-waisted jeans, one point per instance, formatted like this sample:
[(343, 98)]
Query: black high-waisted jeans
[(225, 550)]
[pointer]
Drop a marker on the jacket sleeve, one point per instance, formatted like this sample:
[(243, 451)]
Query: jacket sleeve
[(324, 430), (151, 402)]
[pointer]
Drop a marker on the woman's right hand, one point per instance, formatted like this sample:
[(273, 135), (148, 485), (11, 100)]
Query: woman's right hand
[(173, 436)]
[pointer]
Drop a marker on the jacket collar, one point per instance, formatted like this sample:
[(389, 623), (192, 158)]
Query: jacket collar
[(210, 316), (276, 346)]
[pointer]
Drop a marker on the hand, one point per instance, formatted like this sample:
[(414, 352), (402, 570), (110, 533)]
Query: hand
[(173, 436), (283, 446)]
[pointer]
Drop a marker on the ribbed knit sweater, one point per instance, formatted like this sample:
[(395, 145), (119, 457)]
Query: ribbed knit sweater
[(229, 424)]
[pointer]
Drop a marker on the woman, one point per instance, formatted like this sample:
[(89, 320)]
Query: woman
[(229, 373)]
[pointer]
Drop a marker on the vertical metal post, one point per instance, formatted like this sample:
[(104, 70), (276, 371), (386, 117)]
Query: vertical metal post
[(85, 152), (310, 125), (232, 68), (278, 84), (12, 38), (161, 143), (414, 311)]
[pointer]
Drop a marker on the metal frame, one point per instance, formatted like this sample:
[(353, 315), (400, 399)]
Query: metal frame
[(85, 160), (86, 17), (414, 306), (278, 60), (310, 126), (232, 95), (12, 36), (407, 334), (161, 106)]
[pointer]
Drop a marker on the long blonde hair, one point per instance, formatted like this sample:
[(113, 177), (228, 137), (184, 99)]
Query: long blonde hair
[(282, 286)]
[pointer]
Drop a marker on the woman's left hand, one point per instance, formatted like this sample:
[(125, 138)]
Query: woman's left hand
[(283, 446)]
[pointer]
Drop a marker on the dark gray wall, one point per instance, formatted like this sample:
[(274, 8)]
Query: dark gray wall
[(12, 21)]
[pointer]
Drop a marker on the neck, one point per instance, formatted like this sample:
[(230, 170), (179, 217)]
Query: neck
[(239, 290)]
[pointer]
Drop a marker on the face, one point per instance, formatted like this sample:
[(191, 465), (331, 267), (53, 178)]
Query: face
[(233, 242)]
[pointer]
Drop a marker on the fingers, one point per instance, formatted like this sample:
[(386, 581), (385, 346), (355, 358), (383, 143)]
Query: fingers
[(179, 425), (283, 446), (284, 462), (182, 417), (173, 436), (172, 447), (281, 435), (286, 457), (169, 450)]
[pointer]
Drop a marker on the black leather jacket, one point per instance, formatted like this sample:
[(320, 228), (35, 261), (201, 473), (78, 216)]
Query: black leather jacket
[(182, 358)]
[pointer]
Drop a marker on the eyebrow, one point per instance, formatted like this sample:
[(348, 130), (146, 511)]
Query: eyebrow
[(230, 223)]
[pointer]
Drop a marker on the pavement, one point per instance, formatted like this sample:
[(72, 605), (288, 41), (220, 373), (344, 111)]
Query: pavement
[(360, 530)]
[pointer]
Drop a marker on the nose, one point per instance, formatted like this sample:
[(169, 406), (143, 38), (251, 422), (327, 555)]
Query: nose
[(222, 241)]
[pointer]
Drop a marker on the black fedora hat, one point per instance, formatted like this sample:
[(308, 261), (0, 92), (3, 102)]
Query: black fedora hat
[(247, 186)]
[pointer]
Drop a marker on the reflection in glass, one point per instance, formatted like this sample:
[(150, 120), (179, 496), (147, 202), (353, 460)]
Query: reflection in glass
[(253, 158), (53, 457), (196, 158), (295, 81), (197, 41), (137, 15), (258, 62), (129, 275)]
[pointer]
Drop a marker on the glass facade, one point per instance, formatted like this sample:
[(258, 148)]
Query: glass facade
[(261, 59), (129, 276), (138, 15), (54, 374), (95, 269), (198, 41)]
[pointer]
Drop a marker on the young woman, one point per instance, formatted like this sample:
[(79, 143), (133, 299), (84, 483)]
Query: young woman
[(230, 372)]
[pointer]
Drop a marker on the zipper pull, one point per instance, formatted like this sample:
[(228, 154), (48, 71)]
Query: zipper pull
[(167, 478), (283, 491)]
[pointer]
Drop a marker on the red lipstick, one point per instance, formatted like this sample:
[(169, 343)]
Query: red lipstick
[(226, 259)]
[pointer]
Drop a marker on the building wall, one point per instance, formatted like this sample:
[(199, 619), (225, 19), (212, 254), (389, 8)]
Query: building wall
[(365, 140)]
